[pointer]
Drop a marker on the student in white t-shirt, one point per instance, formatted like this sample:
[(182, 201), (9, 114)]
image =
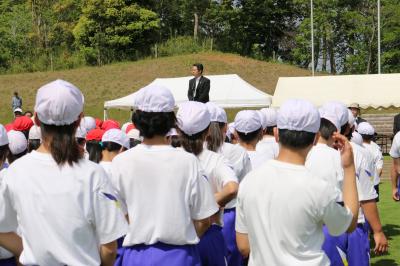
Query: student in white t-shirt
[(193, 123), (169, 201), (268, 142), (248, 130), (294, 204), (367, 132), (395, 154), (66, 209), (240, 162), (113, 142), (7, 239)]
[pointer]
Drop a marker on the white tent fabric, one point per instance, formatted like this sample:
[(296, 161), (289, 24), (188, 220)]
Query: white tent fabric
[(367, 90), (228, 91)]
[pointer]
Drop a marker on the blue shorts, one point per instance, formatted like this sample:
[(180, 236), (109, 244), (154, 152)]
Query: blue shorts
[(355, 246), (8, 262), (159, 254), (330, 247), (212, 247), (228, 231)]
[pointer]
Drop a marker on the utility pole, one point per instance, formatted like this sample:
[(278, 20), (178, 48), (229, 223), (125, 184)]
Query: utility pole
[(312, 37), (379, 36)]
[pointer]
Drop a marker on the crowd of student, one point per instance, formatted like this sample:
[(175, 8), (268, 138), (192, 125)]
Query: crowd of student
[(164, 188)]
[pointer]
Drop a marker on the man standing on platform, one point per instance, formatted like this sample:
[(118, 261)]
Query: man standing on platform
[(199, 86)]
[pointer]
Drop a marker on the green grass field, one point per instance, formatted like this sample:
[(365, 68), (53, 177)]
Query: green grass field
[(390, 217)]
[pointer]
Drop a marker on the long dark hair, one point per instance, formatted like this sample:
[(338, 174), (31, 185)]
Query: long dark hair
[(94, 149), (215, 137), (4, 151), (63, 145), (194, 143)]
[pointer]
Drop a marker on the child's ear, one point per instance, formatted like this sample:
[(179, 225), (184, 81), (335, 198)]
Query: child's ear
[(276, 134)]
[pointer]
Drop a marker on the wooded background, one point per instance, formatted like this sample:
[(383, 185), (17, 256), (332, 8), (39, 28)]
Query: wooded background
[(39, 35)]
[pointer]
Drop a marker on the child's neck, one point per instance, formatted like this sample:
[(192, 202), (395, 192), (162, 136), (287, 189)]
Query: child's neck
[(250, 146), (292, 156)]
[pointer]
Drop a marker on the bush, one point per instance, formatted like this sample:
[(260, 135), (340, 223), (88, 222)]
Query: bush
[(183, 45)]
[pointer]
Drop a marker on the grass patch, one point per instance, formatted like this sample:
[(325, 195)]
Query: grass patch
[(105, 83), (389, 211)]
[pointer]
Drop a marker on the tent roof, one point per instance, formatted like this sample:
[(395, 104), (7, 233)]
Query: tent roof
[(367, 90), (228, 91)]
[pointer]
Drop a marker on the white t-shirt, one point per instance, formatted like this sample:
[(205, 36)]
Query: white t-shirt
[(365, 170), (5, 225), (258, 158), (164, 189), (239, 160), (282, 208), (107, 167), (63, 212), (376, 153), (395, 149), (325, 162), (268, 145)]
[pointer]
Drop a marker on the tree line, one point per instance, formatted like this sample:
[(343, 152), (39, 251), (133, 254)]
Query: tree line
[(37, 35)]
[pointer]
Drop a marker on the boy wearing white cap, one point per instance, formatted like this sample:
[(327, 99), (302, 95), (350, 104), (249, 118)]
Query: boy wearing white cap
[(240, 162), (18, 145), (294, 204), (169, 201), (34, 138), (268, 142), (193, 122), (7, 237), (66, 209), (367, 132), (248, 129)]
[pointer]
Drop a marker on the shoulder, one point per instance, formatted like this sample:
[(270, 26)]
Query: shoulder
[(205, 79)]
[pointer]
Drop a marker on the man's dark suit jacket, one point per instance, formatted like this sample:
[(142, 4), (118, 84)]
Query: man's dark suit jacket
[(396, 124), (202, 91)]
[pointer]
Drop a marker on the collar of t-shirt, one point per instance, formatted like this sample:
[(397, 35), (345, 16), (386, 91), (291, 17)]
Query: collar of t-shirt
[(285, 165)]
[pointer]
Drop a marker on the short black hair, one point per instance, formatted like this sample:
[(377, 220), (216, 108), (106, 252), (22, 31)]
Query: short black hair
[(33, 144), (269, 130), (249, 136), (194, 143), (94, 148), (199, 67), (367, 137), (111, 146), (326, 129), (296, 140), (152, 124)]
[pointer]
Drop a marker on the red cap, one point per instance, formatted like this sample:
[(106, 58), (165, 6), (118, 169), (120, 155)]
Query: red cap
[(99, 122), (9, 127), (109, 124), (129, 128), (22, 123), (95, 134)]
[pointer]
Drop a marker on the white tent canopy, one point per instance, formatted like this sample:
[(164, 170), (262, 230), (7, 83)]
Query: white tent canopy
[(228, 91), (367, 90)]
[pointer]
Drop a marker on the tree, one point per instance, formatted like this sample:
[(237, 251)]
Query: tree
[(115, 30)]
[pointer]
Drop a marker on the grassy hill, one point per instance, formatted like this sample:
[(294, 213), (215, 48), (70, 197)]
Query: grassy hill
[(100, 84)]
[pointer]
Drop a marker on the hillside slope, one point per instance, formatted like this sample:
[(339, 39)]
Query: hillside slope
[(100, 84)]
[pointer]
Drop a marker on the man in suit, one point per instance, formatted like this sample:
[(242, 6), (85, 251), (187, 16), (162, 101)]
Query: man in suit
[(199, 86), (355, 109)]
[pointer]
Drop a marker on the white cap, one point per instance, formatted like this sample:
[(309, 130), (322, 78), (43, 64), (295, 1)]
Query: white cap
[(18, 142), (193, 117), (352, 120), (217, 113), (18, 110), (117, 136), (339, 110), (125, 126), (59, 103), (330, 117), (88, 123), (135, 134), (356, 138), (231, 130), (35, 132), (270, 116), (365, 128), (3, 136), (81, 132), (154, 98), (298, 115), (247, 121), (172, 132), (263, 119)]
